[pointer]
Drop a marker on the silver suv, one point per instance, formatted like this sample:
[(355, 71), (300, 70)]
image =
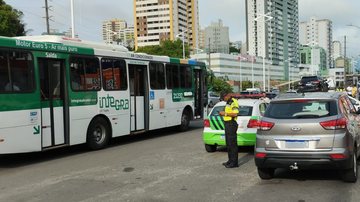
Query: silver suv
[(309, 131)]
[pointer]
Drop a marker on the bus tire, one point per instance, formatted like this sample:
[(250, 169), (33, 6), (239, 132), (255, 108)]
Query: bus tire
[(98, 134), (185, 121)]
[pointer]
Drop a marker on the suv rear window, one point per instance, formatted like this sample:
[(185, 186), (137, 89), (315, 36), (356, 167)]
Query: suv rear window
[(301, 109), (309, 78), (243, 110)]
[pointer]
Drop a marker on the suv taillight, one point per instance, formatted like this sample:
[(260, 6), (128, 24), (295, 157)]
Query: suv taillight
[(334, 124), (206, 123), (253, 123), (264, 125)]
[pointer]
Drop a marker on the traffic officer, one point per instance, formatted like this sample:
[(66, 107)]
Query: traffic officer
[(230, 115)]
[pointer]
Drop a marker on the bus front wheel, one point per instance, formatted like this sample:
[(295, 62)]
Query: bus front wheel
[(98, 134)]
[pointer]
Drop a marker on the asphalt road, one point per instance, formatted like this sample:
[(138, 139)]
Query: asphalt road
[(158, 166)]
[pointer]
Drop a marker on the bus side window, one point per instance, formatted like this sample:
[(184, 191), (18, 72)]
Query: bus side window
[(85, 73), (16, 70), (185, 76), (157, 76), (114, 74), (172, 76)]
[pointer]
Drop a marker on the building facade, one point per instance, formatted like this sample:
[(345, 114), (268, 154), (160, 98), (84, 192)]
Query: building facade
[(336, 49), (272, 32), (160, 20), (111, 28), (249, 69), (312, 61), (217, 38), (317, 33)]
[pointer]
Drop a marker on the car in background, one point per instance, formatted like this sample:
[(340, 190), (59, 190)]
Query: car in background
[(271, 95), (291, 92), (312, 84), (213, 98), (250, 112), (309, 131)]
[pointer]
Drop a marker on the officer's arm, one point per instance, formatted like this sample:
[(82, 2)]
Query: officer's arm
[(232, 114)]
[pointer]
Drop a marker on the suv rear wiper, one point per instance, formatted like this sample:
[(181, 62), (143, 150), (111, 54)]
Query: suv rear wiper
[(308, 116)]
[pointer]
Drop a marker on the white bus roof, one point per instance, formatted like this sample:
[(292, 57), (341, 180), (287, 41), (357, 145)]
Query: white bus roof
[(74, 42)]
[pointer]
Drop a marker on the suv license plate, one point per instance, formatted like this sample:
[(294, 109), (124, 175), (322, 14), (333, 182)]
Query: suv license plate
[(296, 144)]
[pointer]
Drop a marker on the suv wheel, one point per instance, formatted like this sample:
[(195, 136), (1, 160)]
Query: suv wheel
[(266, 173), (351, 174), (210, 148)]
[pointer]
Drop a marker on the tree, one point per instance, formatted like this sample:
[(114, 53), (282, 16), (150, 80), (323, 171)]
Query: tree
[(219, 85), (232, 49), (10, 21), (167, 48)]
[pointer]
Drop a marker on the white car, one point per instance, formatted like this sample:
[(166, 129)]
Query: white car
[(250, 112), (213, 98)]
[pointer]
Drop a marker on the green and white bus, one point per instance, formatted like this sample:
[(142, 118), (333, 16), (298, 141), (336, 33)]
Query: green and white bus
[(57, 91)]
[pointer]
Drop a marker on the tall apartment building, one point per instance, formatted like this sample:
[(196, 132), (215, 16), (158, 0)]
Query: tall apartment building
[(217, 38), (272, 32), (317, 32), (336, 49), (157, 20), (126, 37), (202, 39), (111, 28)]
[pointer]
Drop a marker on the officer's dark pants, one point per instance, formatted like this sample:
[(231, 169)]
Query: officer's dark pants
[(231, 141)]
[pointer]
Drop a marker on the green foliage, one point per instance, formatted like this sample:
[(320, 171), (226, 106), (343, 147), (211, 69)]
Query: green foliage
[(233, 50), (10, 21), (167, 48), (248, 84), (218, 85)]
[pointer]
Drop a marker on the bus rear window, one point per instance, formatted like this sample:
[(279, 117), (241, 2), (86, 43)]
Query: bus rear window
[(16, 72)]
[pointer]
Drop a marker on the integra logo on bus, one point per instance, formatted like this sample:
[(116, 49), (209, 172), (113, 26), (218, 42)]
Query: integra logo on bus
[(109, 101)]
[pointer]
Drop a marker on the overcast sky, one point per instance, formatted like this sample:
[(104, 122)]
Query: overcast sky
[(89, 15)]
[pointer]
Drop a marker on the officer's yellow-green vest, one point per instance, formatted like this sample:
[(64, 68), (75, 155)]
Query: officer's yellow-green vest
[(233, 108)]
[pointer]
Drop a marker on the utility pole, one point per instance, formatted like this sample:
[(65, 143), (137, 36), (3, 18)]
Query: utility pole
[(47, 18), (72, 19), (345, 68)]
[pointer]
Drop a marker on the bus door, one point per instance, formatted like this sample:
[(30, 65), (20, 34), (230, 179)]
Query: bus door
[(200, 92), (139, 98), (52, 90)]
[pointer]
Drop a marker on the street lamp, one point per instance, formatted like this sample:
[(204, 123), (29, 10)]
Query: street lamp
[(264, 18), (108, 31), (252, 69), (351, 25), (183, 40), (312, 44), (240, 58), (198, 50), (289, 73), (72, 19)]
